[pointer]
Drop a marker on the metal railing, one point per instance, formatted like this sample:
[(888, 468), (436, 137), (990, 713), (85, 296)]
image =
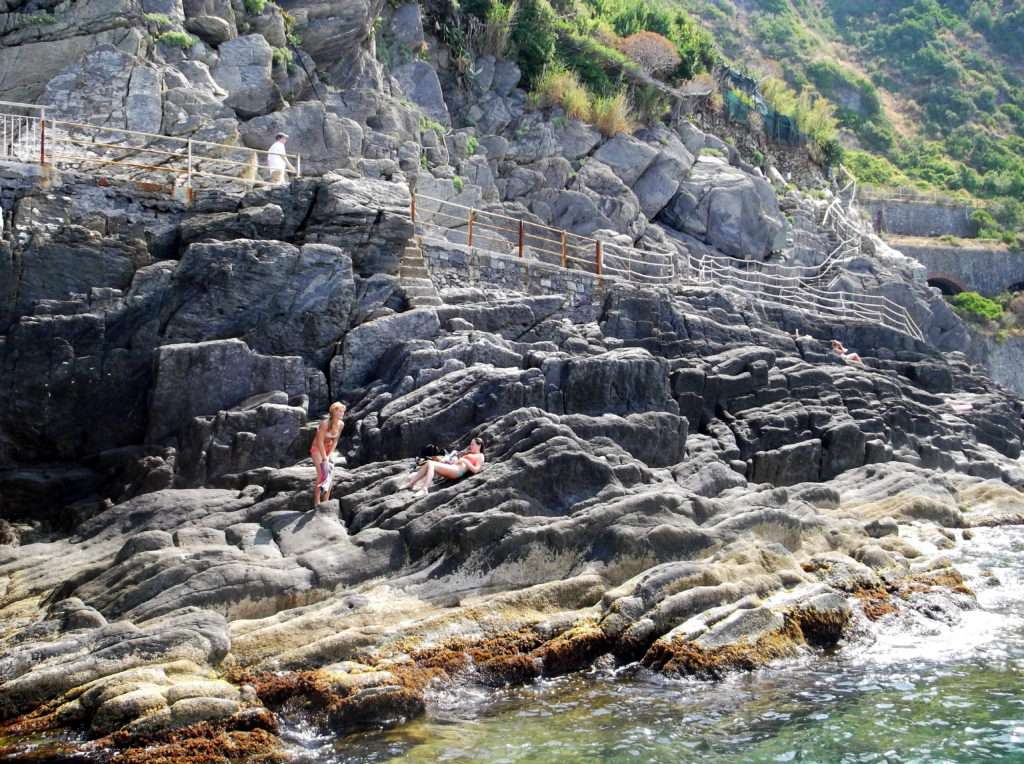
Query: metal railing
[(792, 287), (795, 293), (28, 135), (502, 234)]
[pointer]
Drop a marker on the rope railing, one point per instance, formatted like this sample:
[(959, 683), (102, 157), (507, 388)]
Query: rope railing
[(28, 135)]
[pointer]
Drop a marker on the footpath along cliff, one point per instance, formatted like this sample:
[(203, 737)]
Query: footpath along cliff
[(679, 478)]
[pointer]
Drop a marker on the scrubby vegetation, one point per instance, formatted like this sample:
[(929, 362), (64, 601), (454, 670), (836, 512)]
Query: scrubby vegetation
[(977, 307), (931, 90), (177, 39), (590, 57)]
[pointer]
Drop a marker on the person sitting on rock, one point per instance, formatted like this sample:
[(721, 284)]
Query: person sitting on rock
[(322, 451), (468, 462), (842, 352)]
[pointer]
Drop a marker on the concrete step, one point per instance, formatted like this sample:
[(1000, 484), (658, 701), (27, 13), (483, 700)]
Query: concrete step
[(413, 272)]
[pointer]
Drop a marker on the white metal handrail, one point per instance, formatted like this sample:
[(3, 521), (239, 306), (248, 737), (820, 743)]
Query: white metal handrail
[(793, 287), (485, 229), (28, 135)]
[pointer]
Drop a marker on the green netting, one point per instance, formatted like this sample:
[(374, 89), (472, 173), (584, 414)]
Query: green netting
[(736, 108), (782, 128)]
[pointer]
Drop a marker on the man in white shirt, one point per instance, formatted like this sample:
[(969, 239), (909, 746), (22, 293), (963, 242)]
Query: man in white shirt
[(277, 159)]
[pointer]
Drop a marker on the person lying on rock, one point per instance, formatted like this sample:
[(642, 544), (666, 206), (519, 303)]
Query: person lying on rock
[(840, 350), (322, 451), (468, 462)]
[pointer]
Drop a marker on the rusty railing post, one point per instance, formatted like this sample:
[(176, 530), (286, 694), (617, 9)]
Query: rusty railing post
[(412, 207), (522, 237), (469, 235), (597, 256), (565, 252)]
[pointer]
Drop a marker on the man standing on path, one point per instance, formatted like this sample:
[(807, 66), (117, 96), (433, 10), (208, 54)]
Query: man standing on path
[(277, 159)]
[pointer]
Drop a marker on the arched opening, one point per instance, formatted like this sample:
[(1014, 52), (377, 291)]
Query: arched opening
[(945, 283)]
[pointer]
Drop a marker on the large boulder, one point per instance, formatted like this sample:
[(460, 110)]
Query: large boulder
[(108, 87), (201, 379), (279, 298), (732, 211), (244, 71), (365, 345), (260, 432), (367, 218), (660, 180), (627, 157), (212, 20), (419, 81)]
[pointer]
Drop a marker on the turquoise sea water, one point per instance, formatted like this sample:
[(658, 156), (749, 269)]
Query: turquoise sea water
[(915, 690)]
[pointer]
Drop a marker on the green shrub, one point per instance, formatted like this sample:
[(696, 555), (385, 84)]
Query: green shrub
[(533, 33), (159, 19), (458, 184), (472, 144), (973, 306), (255, 7), (177, 39), (283, 57), (426, 123)]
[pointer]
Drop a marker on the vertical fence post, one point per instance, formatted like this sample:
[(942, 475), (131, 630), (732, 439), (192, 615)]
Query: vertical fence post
[(522, 237), (42, 136), (412, 208), (597, 256), (298, 165), (189, 165), (565, 251), (469, 235)]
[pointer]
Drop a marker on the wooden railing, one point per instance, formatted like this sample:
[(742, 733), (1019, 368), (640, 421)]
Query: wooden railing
[(28, 134)]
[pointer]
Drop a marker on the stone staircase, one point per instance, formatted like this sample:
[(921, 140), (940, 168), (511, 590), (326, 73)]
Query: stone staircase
[(412, 273)]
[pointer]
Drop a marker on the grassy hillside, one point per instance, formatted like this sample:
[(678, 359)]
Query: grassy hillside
[(929, 92)]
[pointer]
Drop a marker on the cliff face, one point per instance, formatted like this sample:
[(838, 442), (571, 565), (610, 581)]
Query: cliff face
[(678, 476)]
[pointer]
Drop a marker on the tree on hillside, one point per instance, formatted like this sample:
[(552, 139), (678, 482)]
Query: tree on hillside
[(656, 54)]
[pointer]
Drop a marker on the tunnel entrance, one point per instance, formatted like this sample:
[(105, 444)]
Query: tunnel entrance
[(948, 285)]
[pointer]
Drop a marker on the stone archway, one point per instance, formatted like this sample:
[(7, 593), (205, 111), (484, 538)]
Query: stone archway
[(947, 284)]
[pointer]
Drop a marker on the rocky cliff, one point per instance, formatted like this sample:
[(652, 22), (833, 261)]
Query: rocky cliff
[(679, 478)]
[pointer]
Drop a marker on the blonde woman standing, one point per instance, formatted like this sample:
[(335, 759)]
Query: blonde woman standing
[(322, 451)]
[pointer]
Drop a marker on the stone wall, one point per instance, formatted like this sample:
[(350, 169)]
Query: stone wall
[(985, 268), (904, 218), (1004, 359), (452, 265)]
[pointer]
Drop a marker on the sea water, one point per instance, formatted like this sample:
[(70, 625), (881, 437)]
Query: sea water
[(947, 688)]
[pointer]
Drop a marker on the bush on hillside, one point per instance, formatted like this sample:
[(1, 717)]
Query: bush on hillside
[(533, 33), (655, 54), (974, 306)]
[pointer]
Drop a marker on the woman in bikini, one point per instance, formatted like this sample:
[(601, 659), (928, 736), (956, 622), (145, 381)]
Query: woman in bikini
[(470, 462), (324, 443)]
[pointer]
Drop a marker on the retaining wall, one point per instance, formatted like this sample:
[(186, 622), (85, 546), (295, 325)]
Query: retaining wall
[(906, 218), (984, 268), (453, 265)]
